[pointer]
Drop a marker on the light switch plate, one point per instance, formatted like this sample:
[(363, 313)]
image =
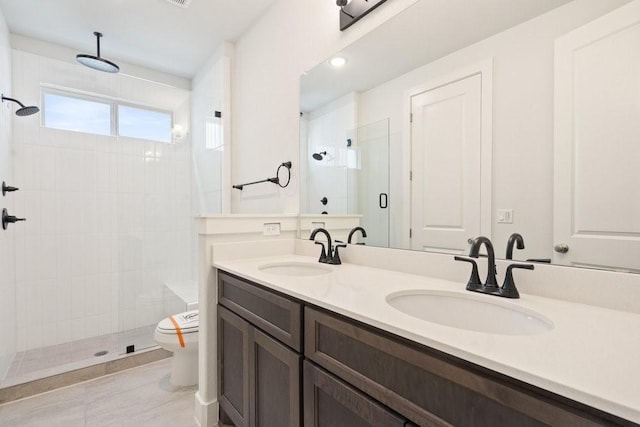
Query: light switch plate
[(272, 229), (505, 216)]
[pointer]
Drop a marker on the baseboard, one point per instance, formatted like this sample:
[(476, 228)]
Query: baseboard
[(206, 413)]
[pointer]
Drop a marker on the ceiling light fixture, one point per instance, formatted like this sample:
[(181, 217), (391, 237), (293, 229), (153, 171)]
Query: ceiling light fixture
[(338, 61), (97, 62), (341, 4), (351, 11)]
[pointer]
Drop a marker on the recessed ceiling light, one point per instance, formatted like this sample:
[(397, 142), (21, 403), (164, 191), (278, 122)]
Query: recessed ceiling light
[(338, 61)]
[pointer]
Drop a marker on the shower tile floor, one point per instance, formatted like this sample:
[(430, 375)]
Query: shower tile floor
[(47, 361)]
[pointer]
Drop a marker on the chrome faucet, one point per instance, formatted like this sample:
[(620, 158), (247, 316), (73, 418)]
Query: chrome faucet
[(330, 256), (353, 231), (515, 238)]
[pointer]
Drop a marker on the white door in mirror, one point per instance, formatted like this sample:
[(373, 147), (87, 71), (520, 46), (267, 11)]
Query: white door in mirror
[(597, 95), (446, 133)]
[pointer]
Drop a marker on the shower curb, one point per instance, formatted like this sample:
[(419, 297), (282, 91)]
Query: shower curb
[(43, 385)]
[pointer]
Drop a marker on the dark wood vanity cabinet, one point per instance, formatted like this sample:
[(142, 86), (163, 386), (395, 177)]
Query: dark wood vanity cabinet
[(431, 388), (258, 376), (330, 402), (356, 375)]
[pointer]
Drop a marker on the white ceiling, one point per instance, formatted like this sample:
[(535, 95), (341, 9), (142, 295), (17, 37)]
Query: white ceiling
[(151, 33)]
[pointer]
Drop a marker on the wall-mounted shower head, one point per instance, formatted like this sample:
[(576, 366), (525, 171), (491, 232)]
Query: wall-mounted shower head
[(319, 156), (97, 62), (23, 110)]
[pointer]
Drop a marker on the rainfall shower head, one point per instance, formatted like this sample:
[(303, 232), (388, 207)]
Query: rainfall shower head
[(319, 156), (97, 62), (23, 110)]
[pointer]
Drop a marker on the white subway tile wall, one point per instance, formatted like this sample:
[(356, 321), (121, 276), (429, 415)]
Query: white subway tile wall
[(108, 219), (327, 130)]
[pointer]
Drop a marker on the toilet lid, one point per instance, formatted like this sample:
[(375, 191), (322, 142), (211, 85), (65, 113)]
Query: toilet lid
[(188, 322)]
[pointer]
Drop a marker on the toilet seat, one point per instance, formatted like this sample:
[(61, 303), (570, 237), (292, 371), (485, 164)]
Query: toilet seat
[(188, 322)]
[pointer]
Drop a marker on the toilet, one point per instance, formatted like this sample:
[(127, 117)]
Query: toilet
[(179, 334)]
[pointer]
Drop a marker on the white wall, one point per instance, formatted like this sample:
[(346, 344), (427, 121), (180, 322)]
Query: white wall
[(522, 121), (7, 259), (108, 219), (293, 36)]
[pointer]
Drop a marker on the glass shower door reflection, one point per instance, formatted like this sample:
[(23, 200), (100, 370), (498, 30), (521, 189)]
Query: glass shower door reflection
[(370, 186)]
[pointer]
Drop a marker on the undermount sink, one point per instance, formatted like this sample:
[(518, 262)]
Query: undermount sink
[(471, 312), (295, 269)]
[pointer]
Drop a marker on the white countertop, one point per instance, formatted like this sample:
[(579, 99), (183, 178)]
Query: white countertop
[(592, 355)]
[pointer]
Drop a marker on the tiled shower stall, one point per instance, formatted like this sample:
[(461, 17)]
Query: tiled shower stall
[(109, 219)]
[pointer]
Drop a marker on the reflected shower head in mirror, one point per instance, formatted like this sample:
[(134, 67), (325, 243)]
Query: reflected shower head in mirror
[(23, 110), (97, 62), (319, 156)]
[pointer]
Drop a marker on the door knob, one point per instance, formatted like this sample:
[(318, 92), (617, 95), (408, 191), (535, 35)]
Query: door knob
[(9, 219), (561, 248)]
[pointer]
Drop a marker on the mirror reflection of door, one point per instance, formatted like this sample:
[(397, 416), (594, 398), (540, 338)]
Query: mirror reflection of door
[(597, 111), (446, 166), (373, 182)]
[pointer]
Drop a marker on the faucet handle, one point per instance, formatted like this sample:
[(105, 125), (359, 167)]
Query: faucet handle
[(323, 254), (335, 260), (474, 282), (508, 289)]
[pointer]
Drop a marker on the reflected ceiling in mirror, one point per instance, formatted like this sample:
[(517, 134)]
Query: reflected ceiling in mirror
[(426, 31)]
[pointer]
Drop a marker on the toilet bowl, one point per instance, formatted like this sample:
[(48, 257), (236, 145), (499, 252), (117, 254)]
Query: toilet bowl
[(179, 334)]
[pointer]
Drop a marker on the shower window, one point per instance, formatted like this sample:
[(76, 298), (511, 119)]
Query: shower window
[(143, 123), (104, 116), (77, 114)]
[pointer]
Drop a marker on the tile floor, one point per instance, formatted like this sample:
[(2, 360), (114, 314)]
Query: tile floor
[(47, 361), (139, 397)]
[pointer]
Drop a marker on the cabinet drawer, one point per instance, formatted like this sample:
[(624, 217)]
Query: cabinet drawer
[(278, 316), (331, 402), (430, 388)]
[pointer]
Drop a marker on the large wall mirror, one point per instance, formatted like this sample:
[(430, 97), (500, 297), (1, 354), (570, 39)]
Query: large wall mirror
[(463, 118)]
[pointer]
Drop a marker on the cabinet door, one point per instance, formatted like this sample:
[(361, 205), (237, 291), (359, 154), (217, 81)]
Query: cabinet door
[(274, 383), (329, 402), (234, 336)]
